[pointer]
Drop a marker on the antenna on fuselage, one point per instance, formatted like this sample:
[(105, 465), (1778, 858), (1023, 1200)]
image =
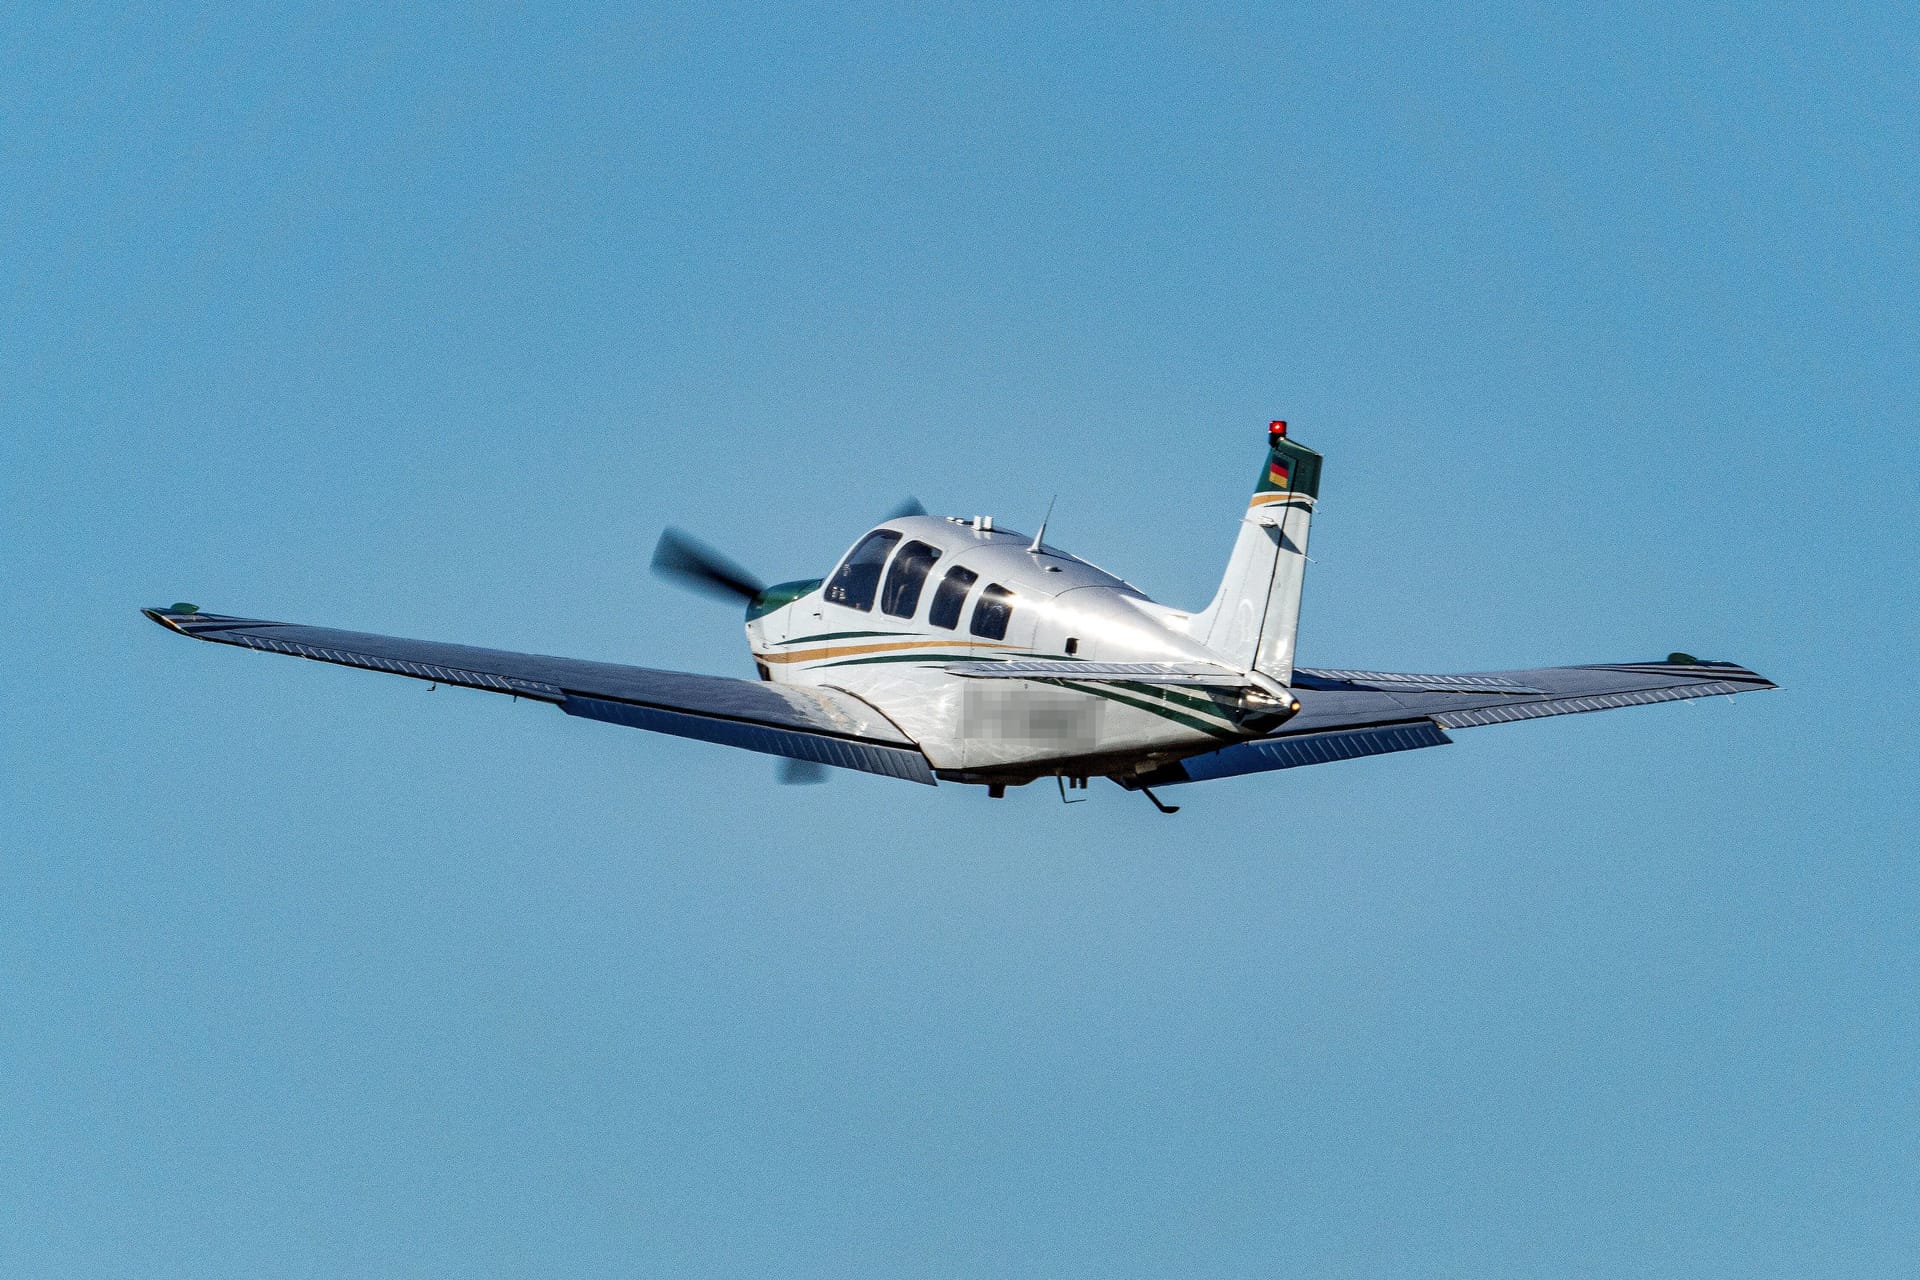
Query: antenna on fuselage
[(1034, 550)]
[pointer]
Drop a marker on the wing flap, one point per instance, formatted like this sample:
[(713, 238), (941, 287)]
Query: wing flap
[(821, 725), (868, 757), (1267, 754)]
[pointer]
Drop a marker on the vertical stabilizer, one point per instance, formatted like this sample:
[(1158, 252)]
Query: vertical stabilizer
[(1255, 616)]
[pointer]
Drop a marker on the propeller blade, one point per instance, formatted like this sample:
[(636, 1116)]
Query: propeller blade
[(698, 567), (911, 507), (801, 773)]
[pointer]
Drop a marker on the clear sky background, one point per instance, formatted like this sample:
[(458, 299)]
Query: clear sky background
[(427, 323)]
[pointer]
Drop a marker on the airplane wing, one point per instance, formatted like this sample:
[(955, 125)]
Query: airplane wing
[(1345, 714), (818, 725)]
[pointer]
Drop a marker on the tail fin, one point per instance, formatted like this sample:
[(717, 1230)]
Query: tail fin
[(1255, 616)]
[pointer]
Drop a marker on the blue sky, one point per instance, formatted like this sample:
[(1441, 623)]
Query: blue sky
[(427, 323)]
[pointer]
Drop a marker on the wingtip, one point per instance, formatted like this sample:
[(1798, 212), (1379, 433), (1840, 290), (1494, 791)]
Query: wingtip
[(169, 616), (1717, 667)]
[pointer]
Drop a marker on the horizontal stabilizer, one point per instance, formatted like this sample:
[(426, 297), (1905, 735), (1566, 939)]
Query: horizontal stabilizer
[(1201, 674)]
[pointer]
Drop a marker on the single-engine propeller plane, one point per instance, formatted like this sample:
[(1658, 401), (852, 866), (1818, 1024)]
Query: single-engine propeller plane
[(948, 648)]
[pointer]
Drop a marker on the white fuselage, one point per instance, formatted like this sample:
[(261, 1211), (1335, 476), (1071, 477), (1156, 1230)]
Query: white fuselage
[(892, 654)]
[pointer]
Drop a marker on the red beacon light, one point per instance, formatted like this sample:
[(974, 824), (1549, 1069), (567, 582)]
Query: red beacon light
[(1277, 430)]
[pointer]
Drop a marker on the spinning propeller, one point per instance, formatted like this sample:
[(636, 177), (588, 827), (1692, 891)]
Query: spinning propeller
[(684, 559), (698, 567)]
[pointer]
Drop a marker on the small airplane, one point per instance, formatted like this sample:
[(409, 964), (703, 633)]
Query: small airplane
[(949, 649)]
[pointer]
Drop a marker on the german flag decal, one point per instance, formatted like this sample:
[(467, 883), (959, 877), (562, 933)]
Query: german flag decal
[(1291, 472)]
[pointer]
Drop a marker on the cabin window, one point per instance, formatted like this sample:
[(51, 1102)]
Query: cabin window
[(945, 609), (1073, 647), (901, 596), (854, 583), (991, 615)]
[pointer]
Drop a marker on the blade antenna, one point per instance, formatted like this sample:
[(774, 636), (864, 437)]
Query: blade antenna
[(1034, 550)]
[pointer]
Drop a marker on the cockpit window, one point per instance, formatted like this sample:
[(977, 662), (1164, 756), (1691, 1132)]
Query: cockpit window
[(901, 596), (991, 615), (853, 583), (945, 609)]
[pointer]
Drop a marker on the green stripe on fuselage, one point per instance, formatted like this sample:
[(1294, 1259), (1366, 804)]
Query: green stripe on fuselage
[(924, 656), (897, 657), (1100, 691), (1179, 697), (851, 635)]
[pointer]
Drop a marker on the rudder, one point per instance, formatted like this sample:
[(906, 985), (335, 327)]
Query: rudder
[(1255, 616)]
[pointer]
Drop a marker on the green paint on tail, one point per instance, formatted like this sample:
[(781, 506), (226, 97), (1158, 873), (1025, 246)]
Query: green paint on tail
[(1290, 468)]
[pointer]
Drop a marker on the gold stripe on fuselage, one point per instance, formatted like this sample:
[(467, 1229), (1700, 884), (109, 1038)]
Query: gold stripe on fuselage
[(859, 650)]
